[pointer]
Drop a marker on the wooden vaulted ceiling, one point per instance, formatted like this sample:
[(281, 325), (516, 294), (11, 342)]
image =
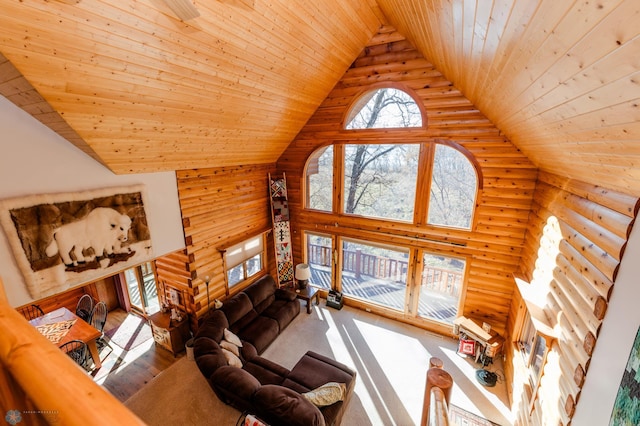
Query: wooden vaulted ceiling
[(141, 91)]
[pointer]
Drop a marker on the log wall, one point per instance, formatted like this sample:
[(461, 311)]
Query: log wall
[(494, 246), (219, 206), (575, 241)]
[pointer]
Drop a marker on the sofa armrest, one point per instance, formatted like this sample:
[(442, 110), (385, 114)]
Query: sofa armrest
[(283, 294), (282, 406)]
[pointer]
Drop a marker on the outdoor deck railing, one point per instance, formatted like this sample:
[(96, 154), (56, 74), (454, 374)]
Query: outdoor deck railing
[(361, 264)]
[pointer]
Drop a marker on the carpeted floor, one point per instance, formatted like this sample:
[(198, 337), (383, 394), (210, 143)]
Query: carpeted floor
[(391, 360), (180, 395)]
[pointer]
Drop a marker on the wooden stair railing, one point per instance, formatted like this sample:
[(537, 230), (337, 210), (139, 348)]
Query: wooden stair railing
[(437, 392), (40, 385)]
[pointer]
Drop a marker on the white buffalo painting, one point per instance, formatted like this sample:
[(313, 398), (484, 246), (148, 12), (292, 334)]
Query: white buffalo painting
[(63, 240)]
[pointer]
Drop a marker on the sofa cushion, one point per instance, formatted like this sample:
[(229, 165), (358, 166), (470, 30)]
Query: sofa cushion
[(264, 375), (236, 308), (260, 332), (235, 381), (314, 370), (213, 326), (261, 293), (209, 355), (283, 311), (277, 405)]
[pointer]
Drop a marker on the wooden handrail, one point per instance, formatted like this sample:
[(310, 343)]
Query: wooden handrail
[(438, 409), (437, 392), (36, 376)]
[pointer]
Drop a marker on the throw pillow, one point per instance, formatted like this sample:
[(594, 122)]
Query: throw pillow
[(467, 347), (230, 347), (230, 337), (232, 360), (326, 394)]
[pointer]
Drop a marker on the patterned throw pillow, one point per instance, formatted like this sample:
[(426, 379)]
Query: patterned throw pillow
[(467, 347), (326, 394)]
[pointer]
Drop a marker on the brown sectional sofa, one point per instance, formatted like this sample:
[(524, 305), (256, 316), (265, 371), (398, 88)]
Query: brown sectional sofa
[(261, 387)]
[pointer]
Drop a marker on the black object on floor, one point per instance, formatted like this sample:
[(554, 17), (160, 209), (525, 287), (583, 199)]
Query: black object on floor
[(486, 378)]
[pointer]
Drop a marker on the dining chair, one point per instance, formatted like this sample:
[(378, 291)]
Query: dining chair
[(78, 351), (98, 320), (31, 311), (84, 308)]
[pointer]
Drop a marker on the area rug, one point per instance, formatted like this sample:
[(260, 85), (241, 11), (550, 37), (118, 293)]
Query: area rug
[(180, 395), (460, 417), (132, 332)]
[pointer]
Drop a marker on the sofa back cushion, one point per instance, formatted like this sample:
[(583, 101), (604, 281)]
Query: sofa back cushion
[(235, 308), (208, 355), (213, 326), (261, 293)]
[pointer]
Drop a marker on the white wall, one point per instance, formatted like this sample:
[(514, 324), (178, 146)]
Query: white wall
[(36, 160), (612, 350)]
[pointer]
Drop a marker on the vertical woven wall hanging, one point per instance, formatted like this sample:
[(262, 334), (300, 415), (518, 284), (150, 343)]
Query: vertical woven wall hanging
[(281, 229)]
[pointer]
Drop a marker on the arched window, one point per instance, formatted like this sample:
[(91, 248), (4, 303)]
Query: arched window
[(384, 108), (381, 181)]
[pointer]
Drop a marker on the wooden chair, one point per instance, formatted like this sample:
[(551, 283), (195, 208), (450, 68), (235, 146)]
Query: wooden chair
[(98, 320), (78, 351), (84, 308), (31, 311)]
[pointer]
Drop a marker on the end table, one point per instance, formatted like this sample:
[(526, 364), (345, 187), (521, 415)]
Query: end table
[(307, 294)]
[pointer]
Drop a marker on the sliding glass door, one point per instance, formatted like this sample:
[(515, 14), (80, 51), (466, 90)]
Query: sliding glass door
[(379, 274), (142, 289), (375, 273)]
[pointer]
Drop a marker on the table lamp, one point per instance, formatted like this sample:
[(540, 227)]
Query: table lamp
[(303, 273)]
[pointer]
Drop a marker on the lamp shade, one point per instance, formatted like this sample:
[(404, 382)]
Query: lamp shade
[(303, 272)]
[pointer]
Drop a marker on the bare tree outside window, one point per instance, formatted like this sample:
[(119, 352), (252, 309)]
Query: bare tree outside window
[(453, 189), (385, 108), (320, 180), (380, 180)]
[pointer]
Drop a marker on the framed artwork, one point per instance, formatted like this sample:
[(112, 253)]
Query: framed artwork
[(626, 409), (66, 239)]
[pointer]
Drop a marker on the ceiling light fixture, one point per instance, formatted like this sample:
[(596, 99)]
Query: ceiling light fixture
[(184, 9)]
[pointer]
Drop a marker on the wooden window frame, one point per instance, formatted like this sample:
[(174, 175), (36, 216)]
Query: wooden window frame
[(247, 280)]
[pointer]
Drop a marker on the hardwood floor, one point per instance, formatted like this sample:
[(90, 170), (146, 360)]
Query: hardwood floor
[(124, 372)]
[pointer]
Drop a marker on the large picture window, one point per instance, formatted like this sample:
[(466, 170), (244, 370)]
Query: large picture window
[(380, 180), (453, 189), (385, 218), (375, 273), (440, 287)]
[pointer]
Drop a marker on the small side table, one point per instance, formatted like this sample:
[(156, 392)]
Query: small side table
[(169, 334), (307, 294)]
